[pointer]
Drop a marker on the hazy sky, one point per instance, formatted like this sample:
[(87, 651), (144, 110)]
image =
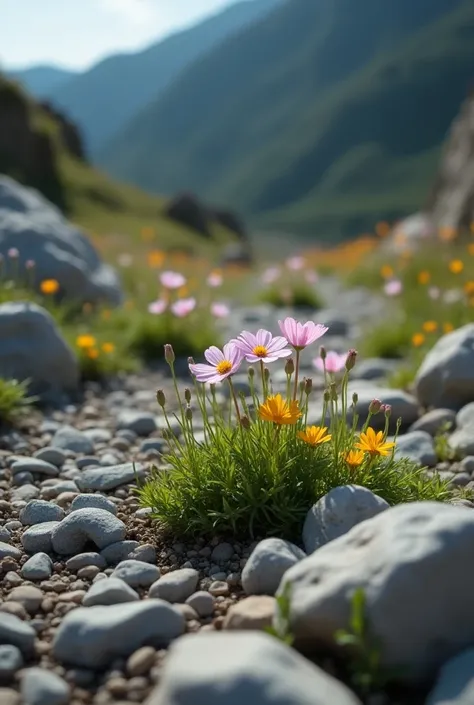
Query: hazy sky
[(76, 33)]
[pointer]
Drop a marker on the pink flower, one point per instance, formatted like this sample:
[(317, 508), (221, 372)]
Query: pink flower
[(295, 263), (214, 279), (311, 277), (334, 362), (393, 287), (157, 307), (300, 335), (172, 280), (13, 253), (183, 307), (221, 365), (220, 310), (262, 347), (30, 264), (270, 275)]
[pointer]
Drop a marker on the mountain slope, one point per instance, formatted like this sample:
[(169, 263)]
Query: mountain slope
[(309, 111), (102, 100), (42, 81)]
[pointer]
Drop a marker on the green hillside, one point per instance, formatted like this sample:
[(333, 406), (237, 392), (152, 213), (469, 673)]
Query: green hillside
[(321, 119), (103, 99)]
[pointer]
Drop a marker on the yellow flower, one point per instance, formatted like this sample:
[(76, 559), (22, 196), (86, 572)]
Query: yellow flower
[(470, 248), (386, 271), (353, 458), (279, 411), (447, 233), (108, 348), (418, 339), (374, 443), (156, 258), (430, 326), (448, 327), (456, 266), (85, 341), (92, 353), (469, 288), (183, 291), (106, 313), (315, 435), (423, 277), (49, 286), (147, 234)]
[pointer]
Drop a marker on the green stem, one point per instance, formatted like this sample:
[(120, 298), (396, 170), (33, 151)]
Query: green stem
[(297, 369), (232, 391), (264, 384)]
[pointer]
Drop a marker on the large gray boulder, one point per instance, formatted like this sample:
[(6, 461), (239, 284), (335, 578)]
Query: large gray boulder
[(446, 376), (32, 225), (414, 564), (31, 347)]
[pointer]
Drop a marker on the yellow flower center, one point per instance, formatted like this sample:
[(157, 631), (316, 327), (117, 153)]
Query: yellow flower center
[(224, 367), (260, 351)]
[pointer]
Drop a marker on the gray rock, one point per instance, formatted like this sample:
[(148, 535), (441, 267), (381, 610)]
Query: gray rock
[(37, 538), (96, 525), (417, 446), (38, 567), (176, 586), (34, 465), (144, 552), (60, 250), (202, 602), (337, 512), (141, 422), (7, 551), (33, 349), (5, 535), (42, 687), (137, 573), (243, 667), (404, 405), (85, 559), (467, 464), (465, 416), (11, 661), (53, 456), (119, 551), (462, 441), (69, 438), (18, 633), (28, 596), (98, 501), (22, 478), (433, 421), (157, 444), (392, 557), (24, 493), (102, 480), (111, 591), (222, 553), (267, 564), (37, 511), (446, 376), (87, 461), (93, 637), (98, 435), (373, 368), (455, 681)]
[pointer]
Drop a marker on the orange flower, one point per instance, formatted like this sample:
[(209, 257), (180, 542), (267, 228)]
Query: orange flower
[(382, 229), (448, 327), (374, 443), (353, 458), (182, 292), (49, 287), (147, 234), (447, 233), (423, 277), (106, 314), (108, 348), (417, 340), (456, 266), (155, 258), (92, 353), (314, 435), (85, 341), (469, 288), (470, 248), (279, 411), (430, 326), (386, 271)]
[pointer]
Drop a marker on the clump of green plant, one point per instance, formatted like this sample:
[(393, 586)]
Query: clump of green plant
[(259, 451), (295, 294), (280, 628), (444, 451), (14, 399), (388, 340)]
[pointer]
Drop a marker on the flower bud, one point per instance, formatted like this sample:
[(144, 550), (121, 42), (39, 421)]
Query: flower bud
[(333, 391), (322, 353), (191, 361), (169, 354), (302, 385), (160, 398), (189, 413), (375, 406), (251, 372), (327, 396), (290, 366), (387, 411), (351, 359), (308, 386), (212, 388), (355, 398), (187, 395), (245, 422), (266, 374)]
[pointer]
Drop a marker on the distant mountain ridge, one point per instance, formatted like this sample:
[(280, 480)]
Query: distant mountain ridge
[(320, 117), (42, 81), (102, 100)]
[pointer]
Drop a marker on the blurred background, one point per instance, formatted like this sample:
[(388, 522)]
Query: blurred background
[(309, 121)]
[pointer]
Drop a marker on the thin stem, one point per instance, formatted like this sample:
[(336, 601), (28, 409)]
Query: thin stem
[(264, 384), (232, 391), (297, 369)]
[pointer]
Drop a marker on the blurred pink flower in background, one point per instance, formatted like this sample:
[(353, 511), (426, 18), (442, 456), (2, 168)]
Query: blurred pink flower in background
[(335, 362), (295, 263), (172, 280), (183, 307), (220, 310), (30, 264), (157, 307), (215, 279), (393, 287), (13, 253), (311, 277), (270, 275), (434, 293)]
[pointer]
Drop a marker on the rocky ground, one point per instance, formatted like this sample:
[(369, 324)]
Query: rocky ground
[(79, 559)]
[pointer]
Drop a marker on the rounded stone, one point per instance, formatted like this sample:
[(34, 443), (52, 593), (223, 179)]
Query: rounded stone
[(202, 602), (11, 661), (38, 511), (42, 687), (95, 501), (84, 525), (141, 661), (28, 596), (137, 573), (38, 567), (176, 586), (37, 538), (54, 456), (111, 591)]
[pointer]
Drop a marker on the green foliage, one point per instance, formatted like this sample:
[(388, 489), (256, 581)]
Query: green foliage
[(296, 294), (14, 399), (281, 623), (320, 151), (387, 340), (444, 451)]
